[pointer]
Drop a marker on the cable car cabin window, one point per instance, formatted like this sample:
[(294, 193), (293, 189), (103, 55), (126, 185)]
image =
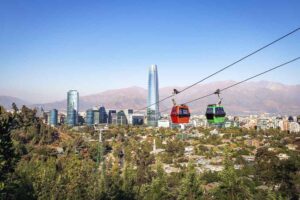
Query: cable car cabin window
[(210, 113), (220, 112), (183, 112)]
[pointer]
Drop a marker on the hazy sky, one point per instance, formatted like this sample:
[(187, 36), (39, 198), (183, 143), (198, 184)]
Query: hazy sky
[(49, 47)]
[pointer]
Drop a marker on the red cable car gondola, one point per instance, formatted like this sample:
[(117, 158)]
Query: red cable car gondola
[(180, 114)]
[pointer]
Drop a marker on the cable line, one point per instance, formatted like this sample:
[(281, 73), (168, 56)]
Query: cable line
[(228, 66), (240, 82)]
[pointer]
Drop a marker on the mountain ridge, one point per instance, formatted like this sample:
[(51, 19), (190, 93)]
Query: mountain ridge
[(247, 98)]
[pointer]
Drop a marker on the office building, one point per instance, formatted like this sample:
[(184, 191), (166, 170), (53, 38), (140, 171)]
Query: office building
[(262, 124), (112, 116), (72, 107), (96, 116), (128, 113), (121, 118), (90, 117), (103, 117), (137, 119), (153, 97), (53, 117), (61, 118)]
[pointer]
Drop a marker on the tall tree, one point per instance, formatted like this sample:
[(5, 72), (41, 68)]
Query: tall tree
[(8, 158), (128, 181)]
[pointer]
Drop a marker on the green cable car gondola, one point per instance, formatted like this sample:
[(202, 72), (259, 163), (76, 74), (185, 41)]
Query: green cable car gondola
[(215, 113)]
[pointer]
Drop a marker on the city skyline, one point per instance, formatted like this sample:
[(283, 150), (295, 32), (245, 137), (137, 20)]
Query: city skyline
[(280, 99), (116, 41)]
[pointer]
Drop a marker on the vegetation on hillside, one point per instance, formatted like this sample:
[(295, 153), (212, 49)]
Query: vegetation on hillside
[(41, 162)]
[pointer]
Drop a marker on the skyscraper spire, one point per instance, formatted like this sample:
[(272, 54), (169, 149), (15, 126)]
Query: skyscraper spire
[(153, 97)]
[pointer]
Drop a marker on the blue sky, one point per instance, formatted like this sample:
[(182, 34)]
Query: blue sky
[(49, 47)]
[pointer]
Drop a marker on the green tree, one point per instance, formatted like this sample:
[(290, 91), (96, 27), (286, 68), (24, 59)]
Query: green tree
[(128, 181), (233, 186), (283, 173), (8, 157), (175, 148), (158, 189), (143, 160), (63, 178), (190, 187)]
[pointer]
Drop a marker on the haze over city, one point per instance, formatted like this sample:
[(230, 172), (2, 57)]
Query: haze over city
[(50, 47)]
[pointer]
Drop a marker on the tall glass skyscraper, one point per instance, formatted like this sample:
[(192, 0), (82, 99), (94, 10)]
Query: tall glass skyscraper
[(72, 107), (53, 117), (153, 97)]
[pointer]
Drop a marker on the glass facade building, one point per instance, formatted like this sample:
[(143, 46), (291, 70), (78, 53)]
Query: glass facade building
[(128, 113), (112, 116), (96, 116), (103, 115), (153, 97), (53, 117), (137, 120), (121, 118), (61, 118), (90, 117), (72, 107)]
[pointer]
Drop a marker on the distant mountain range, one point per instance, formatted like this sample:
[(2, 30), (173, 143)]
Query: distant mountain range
[(6, 101), (247, 98)]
